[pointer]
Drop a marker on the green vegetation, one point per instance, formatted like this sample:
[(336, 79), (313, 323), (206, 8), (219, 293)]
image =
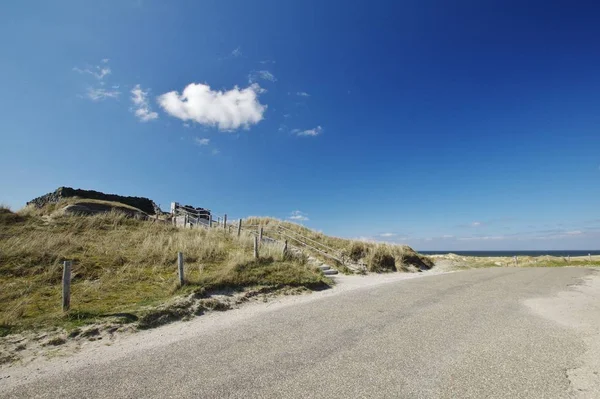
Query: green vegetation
[(123, 266), (124, 269), (377, 257), (458, 262)]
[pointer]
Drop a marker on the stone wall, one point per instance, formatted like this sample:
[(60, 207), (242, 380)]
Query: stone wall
[(144, 204)]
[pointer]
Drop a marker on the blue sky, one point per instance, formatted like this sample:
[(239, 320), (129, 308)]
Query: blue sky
[(442, 125)]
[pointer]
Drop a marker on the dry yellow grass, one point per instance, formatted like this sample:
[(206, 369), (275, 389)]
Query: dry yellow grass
[(378, 257), (122, 265)]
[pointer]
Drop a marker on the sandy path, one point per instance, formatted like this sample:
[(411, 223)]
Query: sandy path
[(578, 309)]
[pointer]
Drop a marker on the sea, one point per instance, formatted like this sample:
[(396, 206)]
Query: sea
[(552, 252)]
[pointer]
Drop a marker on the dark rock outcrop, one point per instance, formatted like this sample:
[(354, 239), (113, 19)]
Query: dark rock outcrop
[(144, 204)]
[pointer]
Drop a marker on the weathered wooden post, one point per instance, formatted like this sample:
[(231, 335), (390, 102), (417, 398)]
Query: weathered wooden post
[(210, 220), (516, 261), (260, 234), (284, 249), (239, 232), (66, 286), (225, 222), (590, 257), (568, 258), (180, 268), (255, 247)]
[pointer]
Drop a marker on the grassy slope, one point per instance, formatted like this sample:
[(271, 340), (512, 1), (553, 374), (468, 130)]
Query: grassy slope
[(122, 265), (378, 257)]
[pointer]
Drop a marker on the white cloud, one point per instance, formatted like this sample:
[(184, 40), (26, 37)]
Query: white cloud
[(387, 235), (302, 94), (99, 72), (227, 110), (215, 151), (201, 142), (476, 224), (309, 132), (574, 233), (483, 238), (139, 98), (99, 94), (237, 52), (254, 76), (298, 216)]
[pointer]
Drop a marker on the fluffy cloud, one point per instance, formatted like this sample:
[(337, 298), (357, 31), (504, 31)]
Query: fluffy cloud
[(298, 216), (201, 142), (254, 76), (387, 235), (227, 110), (302, 94), (237, 52), (142, 109), (309, 132)]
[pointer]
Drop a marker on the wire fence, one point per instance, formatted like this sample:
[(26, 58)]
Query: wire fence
[(189, 217)]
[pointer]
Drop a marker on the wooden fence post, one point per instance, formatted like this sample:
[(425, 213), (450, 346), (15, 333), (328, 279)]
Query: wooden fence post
[(284, 249), (516, 261), (590, 257), (180, 268), (239, 227), (210, 220), (66, 286), (260, 235), (225, 222), (255, 247)]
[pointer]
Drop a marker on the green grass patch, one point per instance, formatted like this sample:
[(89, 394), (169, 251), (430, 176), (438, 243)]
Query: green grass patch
[(122, 266)]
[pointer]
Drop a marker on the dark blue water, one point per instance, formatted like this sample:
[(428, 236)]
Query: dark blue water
[(515, 253)]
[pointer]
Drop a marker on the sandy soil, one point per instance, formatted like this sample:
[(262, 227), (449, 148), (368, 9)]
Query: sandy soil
[(578, 309)]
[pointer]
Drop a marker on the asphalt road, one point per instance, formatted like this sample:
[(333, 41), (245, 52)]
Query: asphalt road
[(459, 335)]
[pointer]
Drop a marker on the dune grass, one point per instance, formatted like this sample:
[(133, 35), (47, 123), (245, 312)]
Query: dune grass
[(474, 262), (377, 257), (122, 265)]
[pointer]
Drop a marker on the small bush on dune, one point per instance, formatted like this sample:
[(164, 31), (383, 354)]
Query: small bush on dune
[(357, 250), (8, 217), (380, 259)]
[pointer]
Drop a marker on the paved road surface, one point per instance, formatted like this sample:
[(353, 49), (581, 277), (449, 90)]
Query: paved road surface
[(470, 334)]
